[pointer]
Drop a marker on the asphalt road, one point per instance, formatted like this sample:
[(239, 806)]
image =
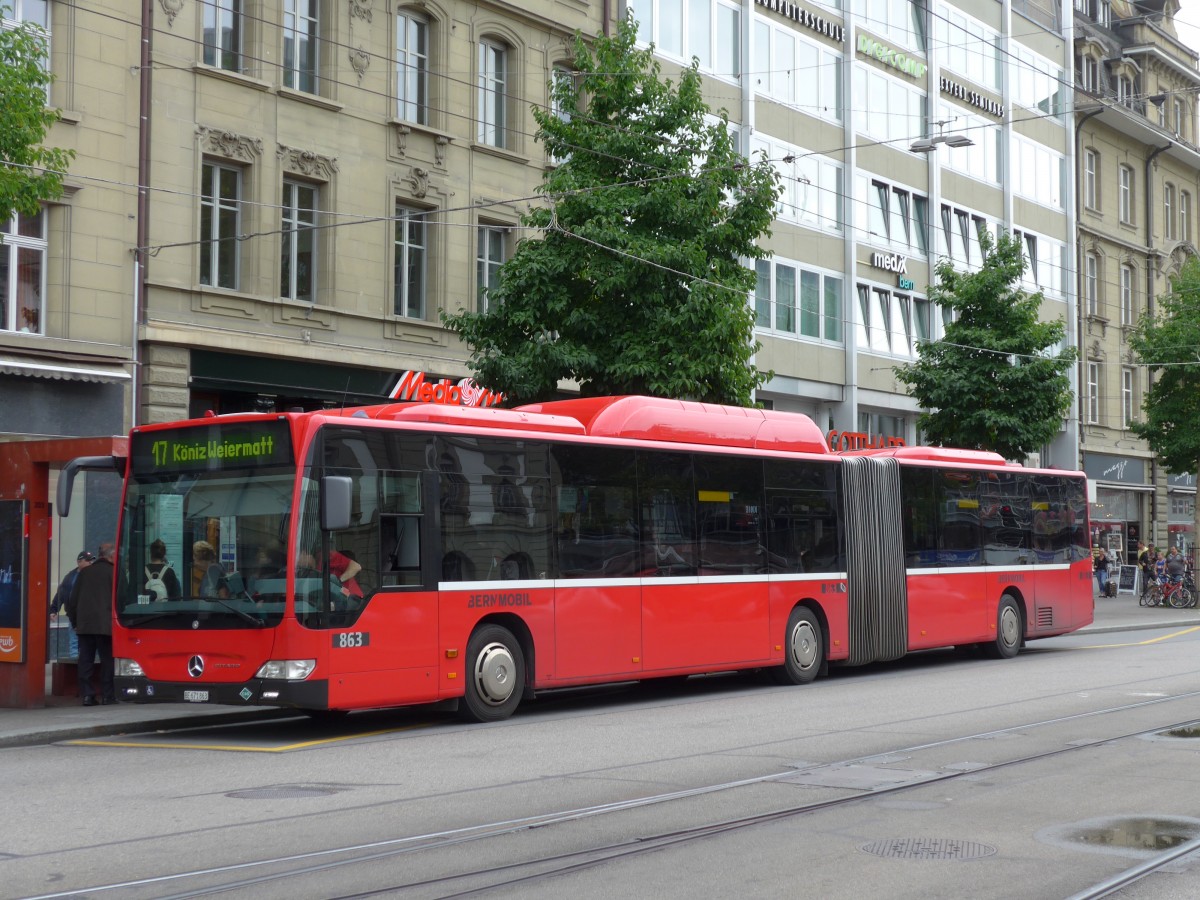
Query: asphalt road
[(938, 776)]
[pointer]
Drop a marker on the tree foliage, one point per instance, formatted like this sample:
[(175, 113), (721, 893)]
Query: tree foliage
[(991, 382), (30, 173), (636, 282), (1168, 342)]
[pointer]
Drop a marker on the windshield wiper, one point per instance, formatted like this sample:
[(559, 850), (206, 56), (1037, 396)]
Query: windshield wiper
[(254, 620), (142, 621)]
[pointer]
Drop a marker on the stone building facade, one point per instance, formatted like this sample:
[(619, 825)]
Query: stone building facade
[(1139, 181)]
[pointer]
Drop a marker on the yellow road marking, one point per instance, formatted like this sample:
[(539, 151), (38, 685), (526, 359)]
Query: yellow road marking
[(1165, 637), (157, 745)]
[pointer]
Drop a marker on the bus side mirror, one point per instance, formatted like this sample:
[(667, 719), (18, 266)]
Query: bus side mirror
[(66, 478), (336, 495)]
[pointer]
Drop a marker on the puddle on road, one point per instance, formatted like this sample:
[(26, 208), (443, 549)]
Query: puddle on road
[(1136, 836), (1186, 731)]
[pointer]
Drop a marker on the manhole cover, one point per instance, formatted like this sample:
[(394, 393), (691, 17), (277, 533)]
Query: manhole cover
[(929, 848), (282, 793)]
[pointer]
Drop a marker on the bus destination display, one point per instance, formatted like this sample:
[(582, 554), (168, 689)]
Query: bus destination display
[(225, 446)]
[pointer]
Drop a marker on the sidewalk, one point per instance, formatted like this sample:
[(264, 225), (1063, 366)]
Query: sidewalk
[(64, 719)]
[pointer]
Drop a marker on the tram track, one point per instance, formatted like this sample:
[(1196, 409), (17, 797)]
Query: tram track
[(256, 873)]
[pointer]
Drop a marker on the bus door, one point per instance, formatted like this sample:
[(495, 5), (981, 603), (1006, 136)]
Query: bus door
[(382, 646), (704, 591), (597, 591)]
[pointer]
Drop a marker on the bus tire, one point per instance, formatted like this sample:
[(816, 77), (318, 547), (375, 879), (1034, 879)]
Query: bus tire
[(803, 649), (495, 675), (1009, 630)]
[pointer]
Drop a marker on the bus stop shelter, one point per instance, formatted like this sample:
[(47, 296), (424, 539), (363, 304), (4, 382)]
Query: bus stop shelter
[(26, 534)]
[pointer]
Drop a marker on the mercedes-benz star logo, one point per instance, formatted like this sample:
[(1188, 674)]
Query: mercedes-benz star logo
[(196, 666)]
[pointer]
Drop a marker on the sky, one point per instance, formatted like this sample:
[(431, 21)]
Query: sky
[(1187, 21)]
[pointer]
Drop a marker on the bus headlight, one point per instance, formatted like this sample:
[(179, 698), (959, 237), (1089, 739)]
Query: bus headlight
[(287, 669), (127, 667)]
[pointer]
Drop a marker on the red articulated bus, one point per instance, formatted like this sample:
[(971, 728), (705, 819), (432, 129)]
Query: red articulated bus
[(418, 553)]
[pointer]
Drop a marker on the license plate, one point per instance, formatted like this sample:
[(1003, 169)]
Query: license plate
[(195, 696)]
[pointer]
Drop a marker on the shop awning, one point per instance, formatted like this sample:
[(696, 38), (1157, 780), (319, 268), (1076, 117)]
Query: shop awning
[(99, 372)]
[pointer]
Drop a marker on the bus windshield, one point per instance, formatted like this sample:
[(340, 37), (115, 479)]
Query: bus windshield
[(203, 540)]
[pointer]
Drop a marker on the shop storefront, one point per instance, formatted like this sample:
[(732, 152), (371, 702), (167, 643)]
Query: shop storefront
[(1181, 513), (1121, 504), (230, 382)]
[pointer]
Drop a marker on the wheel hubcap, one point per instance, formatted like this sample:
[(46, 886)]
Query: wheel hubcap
[(494, 674), (804, 646), (1010, 626)]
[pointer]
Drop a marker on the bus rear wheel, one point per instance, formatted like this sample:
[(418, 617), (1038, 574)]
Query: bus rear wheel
[(1009, 631), (495, 675), (803, 649)]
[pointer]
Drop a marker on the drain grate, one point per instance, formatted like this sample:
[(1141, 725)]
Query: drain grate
[(284, 792), (929, 848)]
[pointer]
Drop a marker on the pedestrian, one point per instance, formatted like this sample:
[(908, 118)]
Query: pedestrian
[(1101, 568), (1176, 566), (1160, 567), (161, 581), (63, 594), (90, 610), (208, 578)]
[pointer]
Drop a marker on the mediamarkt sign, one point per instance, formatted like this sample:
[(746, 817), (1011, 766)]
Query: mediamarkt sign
[(413, 386)]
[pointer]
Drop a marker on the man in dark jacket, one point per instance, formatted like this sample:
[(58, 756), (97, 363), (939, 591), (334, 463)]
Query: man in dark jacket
[(63, 594), (90, 610)]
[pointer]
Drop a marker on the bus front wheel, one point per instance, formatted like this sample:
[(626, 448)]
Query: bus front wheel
[(495, 675), (803, 649), (1009, 631)]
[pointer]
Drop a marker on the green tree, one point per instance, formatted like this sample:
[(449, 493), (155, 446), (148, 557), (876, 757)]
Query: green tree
[(991, 382), (30, 173), (1167, 341), (636, 282)]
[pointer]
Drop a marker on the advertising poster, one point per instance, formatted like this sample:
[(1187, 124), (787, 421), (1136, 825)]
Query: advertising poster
[(12, 581)]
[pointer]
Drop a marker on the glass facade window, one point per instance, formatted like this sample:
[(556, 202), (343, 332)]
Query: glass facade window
[(709, 30), (891, 216), (411, 253), (301, 33), (969, 48), (489, 257), (223, 34), (1038, 173), (792, 300), (812, 188), (890, 110), (1091, 167), (23, 247), (890, 322), (1037, 83), (412, 68), (797, 72), (298, 259), (220, 224), (1185, 216), (492, 119), (900, 21)]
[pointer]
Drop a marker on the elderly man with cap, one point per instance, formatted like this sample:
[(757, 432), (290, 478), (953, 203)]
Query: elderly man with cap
[(91, 611), (63, 594)]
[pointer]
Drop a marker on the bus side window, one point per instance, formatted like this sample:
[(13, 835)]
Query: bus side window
[(400, 549)]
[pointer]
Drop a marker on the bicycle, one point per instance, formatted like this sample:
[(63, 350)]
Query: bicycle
[(1173, 593)]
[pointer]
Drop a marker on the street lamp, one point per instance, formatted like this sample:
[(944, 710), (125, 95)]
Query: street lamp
[(929, 144)]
